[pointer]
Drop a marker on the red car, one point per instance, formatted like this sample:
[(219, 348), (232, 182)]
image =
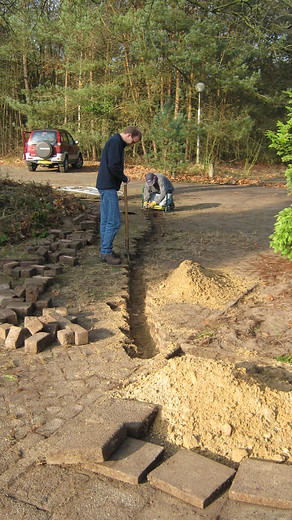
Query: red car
[(51, 148)]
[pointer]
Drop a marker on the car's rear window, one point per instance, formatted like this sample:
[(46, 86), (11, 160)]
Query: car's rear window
[(49, 136)]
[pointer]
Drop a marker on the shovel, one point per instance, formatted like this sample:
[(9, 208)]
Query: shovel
[(127, 253)]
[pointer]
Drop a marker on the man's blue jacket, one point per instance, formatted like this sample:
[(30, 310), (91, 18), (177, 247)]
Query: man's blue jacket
[(111, 168)]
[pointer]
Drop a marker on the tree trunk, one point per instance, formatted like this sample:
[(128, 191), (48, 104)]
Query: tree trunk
[(79, 88), (151, 113), (177, 87), (92, 119), (25, 60), (189, 110), (66, 96), (25, 72), (161, 85)]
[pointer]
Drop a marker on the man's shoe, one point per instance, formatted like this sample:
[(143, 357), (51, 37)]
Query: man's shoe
[(109, 259)]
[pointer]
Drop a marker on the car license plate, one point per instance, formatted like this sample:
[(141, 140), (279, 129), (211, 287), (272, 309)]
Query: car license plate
[(44, 162)]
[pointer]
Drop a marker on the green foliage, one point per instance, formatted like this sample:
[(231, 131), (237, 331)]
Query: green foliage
[(286, 358), (281, 239), (281, 141), (96, 67), (170, 137), (3, 238)]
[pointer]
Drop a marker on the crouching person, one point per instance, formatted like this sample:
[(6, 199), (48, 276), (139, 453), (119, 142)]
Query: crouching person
[(158, 191)]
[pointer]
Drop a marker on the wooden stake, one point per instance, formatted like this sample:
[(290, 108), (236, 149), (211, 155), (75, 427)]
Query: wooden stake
[(127, 252)]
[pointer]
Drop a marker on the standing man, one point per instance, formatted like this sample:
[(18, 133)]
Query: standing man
[(109, 179)]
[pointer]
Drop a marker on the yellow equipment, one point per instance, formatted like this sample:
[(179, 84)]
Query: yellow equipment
[(153, 205)]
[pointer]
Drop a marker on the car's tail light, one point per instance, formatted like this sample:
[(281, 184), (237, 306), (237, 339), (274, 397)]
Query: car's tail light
[(30, 148), (58, 144)]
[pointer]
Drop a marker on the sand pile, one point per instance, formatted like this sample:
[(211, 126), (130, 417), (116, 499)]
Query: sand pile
[(192, 283), (213, 406)]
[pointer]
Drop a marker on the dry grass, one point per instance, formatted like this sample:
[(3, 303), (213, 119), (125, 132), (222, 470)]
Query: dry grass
[(29, 210)]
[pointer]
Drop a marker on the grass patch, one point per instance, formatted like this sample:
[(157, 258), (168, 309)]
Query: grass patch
[(206, 333), (285, 358)]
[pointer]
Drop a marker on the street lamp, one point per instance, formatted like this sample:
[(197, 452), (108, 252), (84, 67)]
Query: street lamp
[(200, 87)]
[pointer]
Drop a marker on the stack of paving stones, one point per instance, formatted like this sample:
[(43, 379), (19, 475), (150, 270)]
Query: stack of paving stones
[(26, 317), (40, 331), (105, 439)]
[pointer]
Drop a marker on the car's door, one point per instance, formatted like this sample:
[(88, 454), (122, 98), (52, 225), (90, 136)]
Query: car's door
[(73, 148), (65, 146), (25, 137)]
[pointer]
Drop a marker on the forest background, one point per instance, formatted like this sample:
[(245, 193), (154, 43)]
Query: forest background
[(94, 67)]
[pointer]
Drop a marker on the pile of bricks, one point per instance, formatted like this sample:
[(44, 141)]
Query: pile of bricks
[(39, 332), (24, 284)]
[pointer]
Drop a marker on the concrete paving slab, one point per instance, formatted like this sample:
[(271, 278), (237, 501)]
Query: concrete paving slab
[(46, 487), (136, 415), (242, 511), (263, 483), (192, 478), (83, 441), (130, 462)]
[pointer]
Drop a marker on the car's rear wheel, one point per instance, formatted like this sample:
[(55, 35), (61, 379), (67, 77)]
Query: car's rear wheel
[(44, 150), (32, 167), (79, 163), (64, 167)]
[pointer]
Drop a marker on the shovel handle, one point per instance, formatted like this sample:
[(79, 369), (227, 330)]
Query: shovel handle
[(126, 220)]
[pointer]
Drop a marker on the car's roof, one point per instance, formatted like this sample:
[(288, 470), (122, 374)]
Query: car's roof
[(47, 130)]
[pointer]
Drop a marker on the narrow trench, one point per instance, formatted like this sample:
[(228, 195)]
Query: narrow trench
[(140, 335)]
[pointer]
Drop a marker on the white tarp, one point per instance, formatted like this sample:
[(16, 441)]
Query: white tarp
[(86, 190)]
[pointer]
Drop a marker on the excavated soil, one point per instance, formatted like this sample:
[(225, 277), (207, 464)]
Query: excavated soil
[(192, 283), (218, 408)]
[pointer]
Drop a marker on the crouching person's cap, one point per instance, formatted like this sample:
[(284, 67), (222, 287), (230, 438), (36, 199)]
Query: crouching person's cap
[(150, 179)]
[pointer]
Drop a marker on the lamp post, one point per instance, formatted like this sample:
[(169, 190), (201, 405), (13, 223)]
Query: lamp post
[(200, 87)]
